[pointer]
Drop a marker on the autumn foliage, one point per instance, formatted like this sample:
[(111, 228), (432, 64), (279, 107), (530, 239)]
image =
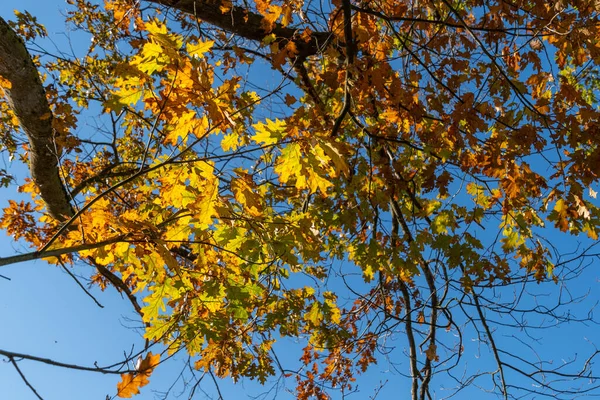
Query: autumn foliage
[(338, 174)]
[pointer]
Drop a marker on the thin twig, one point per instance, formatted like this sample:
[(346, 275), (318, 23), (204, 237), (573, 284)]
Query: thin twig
[(212, 375), (35, 255), (29, 385), (80, 284), (492, 341), (11, 355)]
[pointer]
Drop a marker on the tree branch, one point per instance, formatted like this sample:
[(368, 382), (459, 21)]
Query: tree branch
[(11, 356), (244, 23), (35, 255), (29, 385), (64, 267), (27, 98)]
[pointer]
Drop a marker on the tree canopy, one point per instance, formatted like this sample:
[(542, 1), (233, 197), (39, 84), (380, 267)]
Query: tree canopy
[(377, 182)]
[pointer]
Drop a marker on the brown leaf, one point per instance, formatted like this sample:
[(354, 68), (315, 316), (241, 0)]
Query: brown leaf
[(431, 353)]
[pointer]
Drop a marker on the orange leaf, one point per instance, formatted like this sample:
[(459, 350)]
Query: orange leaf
[(5, 83), (131, 383), (149, 363)]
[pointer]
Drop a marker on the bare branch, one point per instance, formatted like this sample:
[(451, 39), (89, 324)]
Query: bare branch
[(12, 355), (36, 255), (29, 385)]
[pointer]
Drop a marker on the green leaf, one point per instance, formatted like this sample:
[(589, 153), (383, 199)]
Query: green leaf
[(314, 315)]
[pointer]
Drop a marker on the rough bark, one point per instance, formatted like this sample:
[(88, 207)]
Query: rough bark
[(27, 98)]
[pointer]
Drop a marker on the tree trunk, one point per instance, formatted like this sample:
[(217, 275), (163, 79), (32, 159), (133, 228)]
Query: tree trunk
[(27, 98)]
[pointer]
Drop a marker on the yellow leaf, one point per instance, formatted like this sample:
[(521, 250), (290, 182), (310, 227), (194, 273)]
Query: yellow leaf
[(155, 302), (246, 194), (205, 208), (155, 27), (315, 181), (270, 17), (230, 142), (5, 83), (180, 231), (167, 257), (590, 230), (269, 133), (560, 206), (131, 91), (287, 15), (198, 50), (315, 315), (153, 58), (289, 163), (368, 273), (212, 304), (332, 308), (390, 116), (182, 127), (225, 6)]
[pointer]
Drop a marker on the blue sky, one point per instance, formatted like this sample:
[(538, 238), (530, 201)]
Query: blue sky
[(44, 313)]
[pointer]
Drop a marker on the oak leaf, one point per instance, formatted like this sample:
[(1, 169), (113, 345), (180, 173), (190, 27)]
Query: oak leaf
[(132, 382)]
